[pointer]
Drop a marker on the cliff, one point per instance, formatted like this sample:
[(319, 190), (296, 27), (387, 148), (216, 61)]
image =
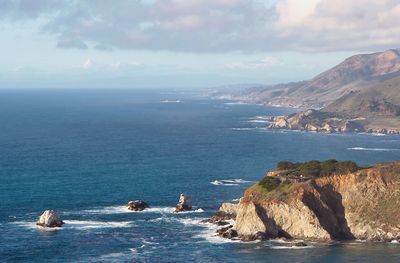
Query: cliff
[(363, 203), (331, 122)]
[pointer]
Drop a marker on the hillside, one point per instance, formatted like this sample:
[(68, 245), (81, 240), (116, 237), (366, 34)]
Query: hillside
[(375, 109), (355, 73)]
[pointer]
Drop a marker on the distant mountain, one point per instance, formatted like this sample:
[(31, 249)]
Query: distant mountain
[(354, 74), (373, 109)]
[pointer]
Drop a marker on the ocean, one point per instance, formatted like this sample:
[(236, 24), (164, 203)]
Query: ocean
[(86, 152)]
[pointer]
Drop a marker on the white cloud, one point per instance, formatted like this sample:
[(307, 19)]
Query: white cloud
[(320, 25), (215, 25)]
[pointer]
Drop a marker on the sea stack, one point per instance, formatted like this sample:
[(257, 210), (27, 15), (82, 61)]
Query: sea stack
[(50, 218), (137, 205), (184, 204)]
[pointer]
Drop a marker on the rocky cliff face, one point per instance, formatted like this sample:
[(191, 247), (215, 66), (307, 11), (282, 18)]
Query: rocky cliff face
[(362, 205), (328, 122)]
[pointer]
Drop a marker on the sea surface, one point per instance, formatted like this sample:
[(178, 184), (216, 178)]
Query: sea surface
[(86, 153)]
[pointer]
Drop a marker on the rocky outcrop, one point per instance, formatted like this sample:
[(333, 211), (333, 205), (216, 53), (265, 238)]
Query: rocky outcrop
[(318, 121), (50, 218), (226, 212), (137, 205), (184, 204), (362, 205)]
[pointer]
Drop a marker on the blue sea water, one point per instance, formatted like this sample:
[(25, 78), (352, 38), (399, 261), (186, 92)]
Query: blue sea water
[(86, 153)]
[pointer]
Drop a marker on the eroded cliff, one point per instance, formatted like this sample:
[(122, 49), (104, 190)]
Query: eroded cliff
[(364, 205)]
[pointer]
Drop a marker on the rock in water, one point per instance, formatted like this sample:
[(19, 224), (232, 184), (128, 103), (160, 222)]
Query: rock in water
[(184, 204), (50, 218), (137, 205)]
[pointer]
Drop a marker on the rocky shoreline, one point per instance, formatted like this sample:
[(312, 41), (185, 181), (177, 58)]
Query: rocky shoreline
[(314, 121), (323, 201)]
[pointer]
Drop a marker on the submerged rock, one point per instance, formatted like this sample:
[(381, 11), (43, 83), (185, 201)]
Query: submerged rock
[(137, 205), (50, 218), (300, 244), (184, 204)]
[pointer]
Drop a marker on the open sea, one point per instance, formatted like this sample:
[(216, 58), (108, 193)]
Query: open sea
[(86, 153)]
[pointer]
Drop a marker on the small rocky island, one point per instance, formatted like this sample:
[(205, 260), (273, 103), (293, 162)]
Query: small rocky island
[(327, 200), (137, 205), (184, 204), (50, 218)]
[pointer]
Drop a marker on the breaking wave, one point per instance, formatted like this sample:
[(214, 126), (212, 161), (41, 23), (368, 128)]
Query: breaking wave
[(373, 149), (229, 182)]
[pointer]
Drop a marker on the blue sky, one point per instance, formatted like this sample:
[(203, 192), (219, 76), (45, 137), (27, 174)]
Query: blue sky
[(185, 43)]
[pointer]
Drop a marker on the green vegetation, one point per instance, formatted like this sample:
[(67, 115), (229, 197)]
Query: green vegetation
[(270, 183), (317, 168), (299, 172)]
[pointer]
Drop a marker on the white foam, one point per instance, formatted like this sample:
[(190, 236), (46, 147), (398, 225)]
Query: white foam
[(76, 224), (250, 129), (258, 121), (209, 234), (170, 101), (236, 103), (242, 129), (89, 224), (394, 241), (290, 247), (122, 210), (198, 210), (373, 149), (217, 182), (229, 182)]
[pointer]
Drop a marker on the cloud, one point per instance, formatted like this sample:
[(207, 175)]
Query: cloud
[(214, 25), (325, 25)]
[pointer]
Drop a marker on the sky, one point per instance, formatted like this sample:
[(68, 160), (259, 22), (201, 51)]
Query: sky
[(185, 43)]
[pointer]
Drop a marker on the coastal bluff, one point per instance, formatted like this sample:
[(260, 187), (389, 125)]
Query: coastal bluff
[(328, 200)]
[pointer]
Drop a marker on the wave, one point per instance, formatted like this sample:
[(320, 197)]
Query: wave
[(229, 182), (113, 257), (250, 129), (290, 247), (121, 209), (208, 234), (170, 101), (76, 224), (236, 103), (373, 149), (259, 119)]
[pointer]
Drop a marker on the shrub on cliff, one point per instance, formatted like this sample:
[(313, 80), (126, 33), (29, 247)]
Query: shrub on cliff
[(316, 168), (269, 183)]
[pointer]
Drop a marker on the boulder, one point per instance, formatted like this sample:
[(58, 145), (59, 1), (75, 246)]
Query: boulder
[(50, 218), (230, 233), (226, 212), (184, 204), (137, 205)]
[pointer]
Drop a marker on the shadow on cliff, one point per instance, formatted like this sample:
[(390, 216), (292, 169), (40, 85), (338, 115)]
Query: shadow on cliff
[(328, 208), (273, 229)]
